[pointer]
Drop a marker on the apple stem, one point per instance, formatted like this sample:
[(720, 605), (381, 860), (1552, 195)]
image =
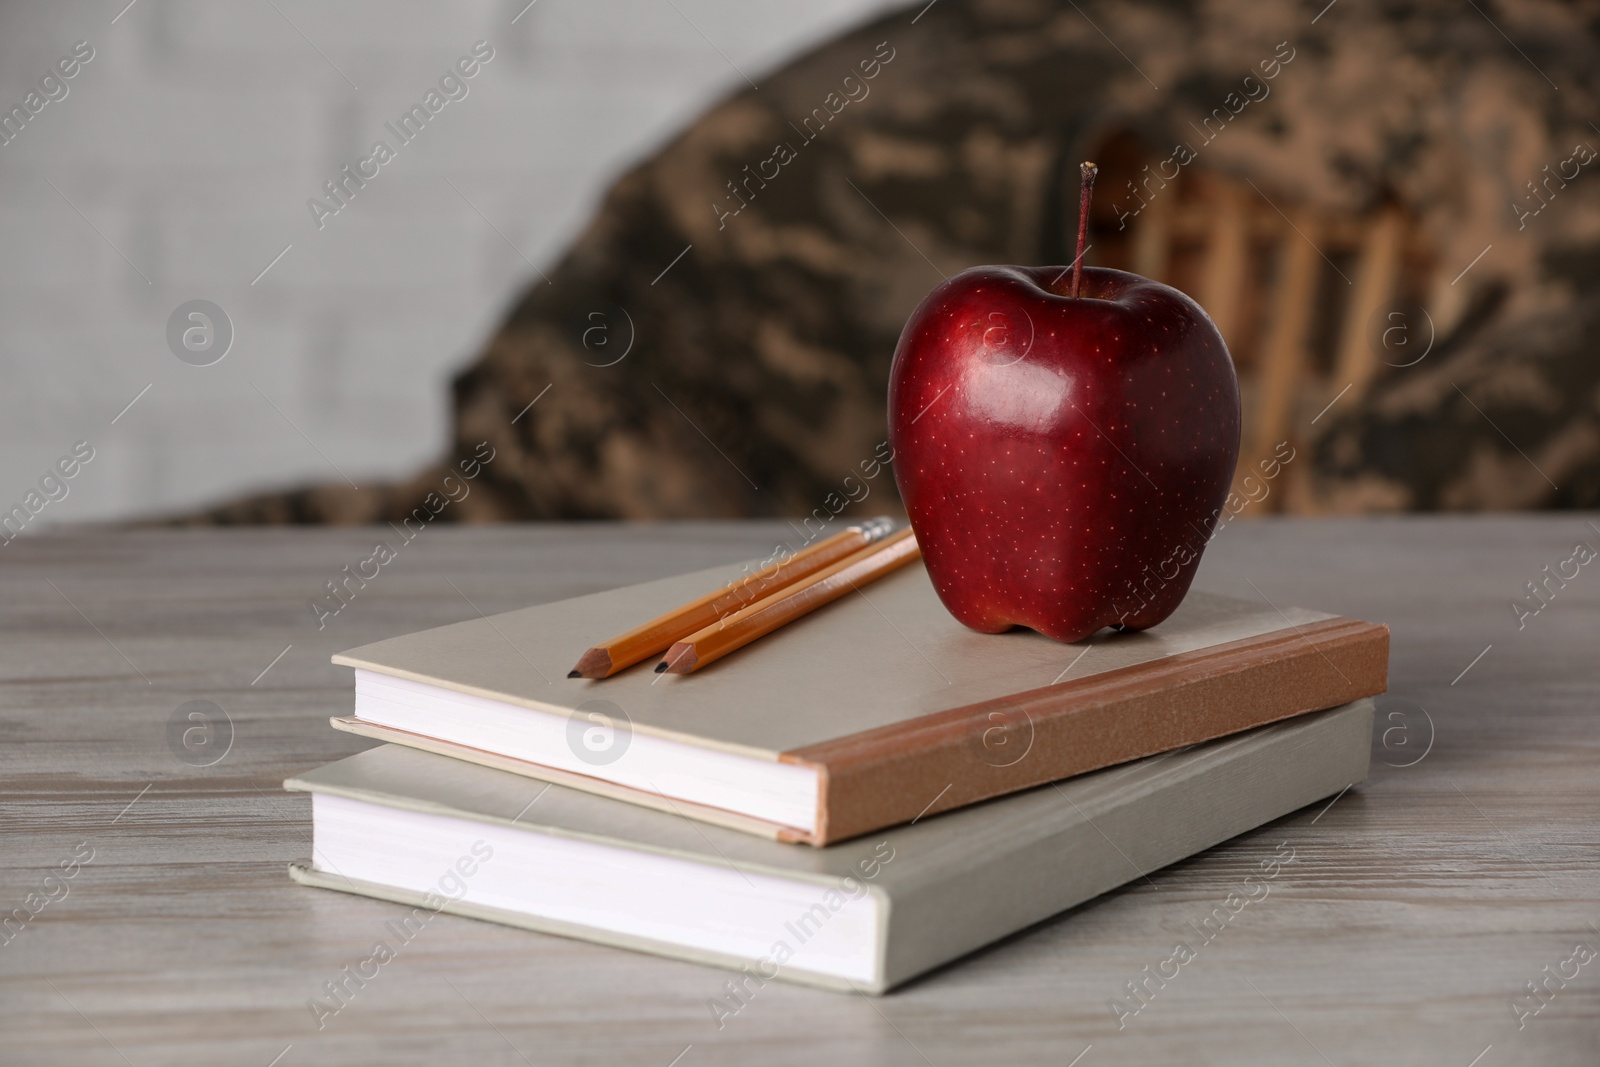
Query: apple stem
[(1088, 171)]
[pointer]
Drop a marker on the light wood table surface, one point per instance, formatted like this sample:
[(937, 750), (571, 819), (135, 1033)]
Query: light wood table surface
[(1417, 907)]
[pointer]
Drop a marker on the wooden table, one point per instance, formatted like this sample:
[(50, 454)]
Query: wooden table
[(1417, 908)]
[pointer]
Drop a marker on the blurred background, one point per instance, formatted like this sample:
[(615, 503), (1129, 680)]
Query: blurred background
[(571, 258), (178, 167)]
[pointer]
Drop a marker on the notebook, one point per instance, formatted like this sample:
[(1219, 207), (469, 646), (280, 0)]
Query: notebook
[(441, 835), (870, 712)]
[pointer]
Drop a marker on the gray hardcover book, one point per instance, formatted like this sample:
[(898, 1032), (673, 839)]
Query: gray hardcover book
[(856, 717), (438, 834)]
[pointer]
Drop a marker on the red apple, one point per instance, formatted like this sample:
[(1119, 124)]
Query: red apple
[(1062, 458)]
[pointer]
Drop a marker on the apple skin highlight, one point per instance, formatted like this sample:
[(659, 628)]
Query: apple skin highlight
[(1063, 460)]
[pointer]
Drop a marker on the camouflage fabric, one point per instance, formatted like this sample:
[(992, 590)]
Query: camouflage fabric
[(717, 342)]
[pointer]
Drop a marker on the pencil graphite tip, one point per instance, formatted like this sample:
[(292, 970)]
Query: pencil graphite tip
[(661, 668), (595, 663), (681, 658)]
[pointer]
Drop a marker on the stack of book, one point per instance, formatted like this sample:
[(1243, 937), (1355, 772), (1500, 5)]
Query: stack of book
[(867, 793)]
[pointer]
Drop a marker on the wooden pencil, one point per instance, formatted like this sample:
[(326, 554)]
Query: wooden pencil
[(790, 603), (655, 636)]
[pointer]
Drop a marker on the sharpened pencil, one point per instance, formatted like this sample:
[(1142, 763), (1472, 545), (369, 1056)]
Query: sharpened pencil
[(790, 603), (655, 636)]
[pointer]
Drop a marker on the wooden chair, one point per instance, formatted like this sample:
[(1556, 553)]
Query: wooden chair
[(1297, 294)]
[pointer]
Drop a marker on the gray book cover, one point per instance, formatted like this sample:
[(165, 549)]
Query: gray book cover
[(852, 718), (924, 894)]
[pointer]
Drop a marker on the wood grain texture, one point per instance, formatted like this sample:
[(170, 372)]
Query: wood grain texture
[(1415, 908), (882, 777)]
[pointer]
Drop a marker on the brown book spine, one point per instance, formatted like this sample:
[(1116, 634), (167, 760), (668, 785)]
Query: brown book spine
[(899, 773)]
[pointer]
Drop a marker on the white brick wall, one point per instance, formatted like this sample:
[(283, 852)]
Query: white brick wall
[(191, 142)]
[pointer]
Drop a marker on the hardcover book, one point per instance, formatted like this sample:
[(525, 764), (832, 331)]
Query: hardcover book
[(442, 835), (871, 712)]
